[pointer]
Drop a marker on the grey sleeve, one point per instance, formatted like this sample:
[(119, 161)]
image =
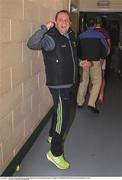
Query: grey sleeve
[(40, 40)]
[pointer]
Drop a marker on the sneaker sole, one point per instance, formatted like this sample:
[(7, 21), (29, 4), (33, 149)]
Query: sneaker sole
[(49, 141), (55, 163)]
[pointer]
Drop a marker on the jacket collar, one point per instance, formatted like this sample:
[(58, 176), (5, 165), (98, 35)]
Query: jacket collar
[(55, 30)]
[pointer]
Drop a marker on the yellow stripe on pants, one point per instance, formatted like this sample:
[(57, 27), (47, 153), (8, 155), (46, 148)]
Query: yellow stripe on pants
[(59, 116)]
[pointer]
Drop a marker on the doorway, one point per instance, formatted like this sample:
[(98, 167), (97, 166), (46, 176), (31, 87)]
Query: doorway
[(112, 22)]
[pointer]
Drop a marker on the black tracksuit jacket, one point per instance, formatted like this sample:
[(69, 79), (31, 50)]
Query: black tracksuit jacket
[(60, 55)]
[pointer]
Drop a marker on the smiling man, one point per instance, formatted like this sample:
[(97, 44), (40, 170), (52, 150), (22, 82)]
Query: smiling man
[(57, 42)]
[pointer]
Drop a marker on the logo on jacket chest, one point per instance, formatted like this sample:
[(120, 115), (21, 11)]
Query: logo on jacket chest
[(74, 44), (63, 45)]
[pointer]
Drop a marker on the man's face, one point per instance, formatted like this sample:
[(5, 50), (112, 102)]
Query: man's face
[(62, 22)]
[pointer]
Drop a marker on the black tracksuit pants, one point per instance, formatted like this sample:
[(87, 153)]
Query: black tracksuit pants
[(60, 119)]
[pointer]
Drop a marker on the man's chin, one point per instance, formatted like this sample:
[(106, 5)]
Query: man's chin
[(63, 31)]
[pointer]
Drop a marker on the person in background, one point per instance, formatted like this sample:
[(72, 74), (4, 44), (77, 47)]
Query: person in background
[(92, 47), (99, 28), (58, 45)]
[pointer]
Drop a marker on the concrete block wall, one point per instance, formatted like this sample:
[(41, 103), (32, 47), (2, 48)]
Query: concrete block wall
[(24, 97)]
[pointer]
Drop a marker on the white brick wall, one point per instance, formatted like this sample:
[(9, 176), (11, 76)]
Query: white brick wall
[(24, 98)]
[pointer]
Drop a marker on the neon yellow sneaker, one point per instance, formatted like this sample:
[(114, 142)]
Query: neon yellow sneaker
[(59, 161), (49, 139)]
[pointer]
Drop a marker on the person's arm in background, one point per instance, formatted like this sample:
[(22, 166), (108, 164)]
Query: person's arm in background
[(105, 43), (109, 42), (41, 40), (108, 38)]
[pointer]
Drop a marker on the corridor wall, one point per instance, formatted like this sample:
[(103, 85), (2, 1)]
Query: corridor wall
[(24, 98)]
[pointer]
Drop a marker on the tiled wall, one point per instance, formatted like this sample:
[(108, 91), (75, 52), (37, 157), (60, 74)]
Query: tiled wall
[(24, 98)]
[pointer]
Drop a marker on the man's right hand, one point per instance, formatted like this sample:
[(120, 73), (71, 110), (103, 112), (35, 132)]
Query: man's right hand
[(50, 24)]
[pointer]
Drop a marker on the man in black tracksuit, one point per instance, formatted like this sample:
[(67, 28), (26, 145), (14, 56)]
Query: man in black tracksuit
[(57, 42)]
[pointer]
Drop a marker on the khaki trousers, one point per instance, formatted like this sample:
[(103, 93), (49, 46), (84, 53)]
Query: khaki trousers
[(95, 74)]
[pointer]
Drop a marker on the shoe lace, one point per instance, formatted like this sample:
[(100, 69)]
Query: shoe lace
[(60, 159)]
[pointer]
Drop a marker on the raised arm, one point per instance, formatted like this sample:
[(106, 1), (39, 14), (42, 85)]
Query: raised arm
[(40, 40)]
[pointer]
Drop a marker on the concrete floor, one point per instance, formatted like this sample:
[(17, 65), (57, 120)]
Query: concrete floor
[(93, 145)]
